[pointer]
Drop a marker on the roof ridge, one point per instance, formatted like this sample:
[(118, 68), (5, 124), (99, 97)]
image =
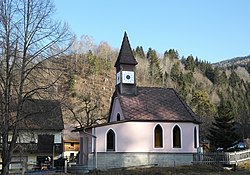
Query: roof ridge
[(155, 87)]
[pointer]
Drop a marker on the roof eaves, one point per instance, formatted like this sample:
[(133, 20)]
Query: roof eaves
[(190, 111), (124, 121)]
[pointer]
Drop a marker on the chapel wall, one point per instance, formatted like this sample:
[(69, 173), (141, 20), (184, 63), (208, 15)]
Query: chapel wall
[(118, 160)]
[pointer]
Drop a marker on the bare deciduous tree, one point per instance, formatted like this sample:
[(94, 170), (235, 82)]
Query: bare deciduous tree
[(86, 110), (29, 39)]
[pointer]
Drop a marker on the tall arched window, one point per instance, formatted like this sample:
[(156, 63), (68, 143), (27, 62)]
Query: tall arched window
[(111, 140), (158, 136), (195, 137), (176, 137)]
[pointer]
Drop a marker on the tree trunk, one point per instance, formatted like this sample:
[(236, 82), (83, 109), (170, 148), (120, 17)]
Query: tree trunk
[(5, 160), (28, 34)]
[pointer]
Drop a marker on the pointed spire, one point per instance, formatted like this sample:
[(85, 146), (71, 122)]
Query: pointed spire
[(125, 55)]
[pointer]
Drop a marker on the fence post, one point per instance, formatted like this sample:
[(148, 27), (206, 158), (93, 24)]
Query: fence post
[(235, 159), (65, 166), (200, 153), (23, 167)]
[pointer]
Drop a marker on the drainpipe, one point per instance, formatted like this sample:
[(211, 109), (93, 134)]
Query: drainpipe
[(95, 153)]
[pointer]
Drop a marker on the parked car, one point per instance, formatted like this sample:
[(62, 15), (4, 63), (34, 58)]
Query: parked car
[(237, 147), (219, 149), (241, 146)]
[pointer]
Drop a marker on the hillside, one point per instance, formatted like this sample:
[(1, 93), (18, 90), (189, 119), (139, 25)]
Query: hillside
[(90, 82), (240, 61)]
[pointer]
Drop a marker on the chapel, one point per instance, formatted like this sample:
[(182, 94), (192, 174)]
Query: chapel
[(145, 125)]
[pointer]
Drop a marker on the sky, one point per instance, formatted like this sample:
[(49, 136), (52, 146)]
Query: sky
[(212, 30)]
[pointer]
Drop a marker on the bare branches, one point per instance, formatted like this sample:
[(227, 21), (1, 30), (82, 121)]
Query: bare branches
[(30, 39), (86, 110)]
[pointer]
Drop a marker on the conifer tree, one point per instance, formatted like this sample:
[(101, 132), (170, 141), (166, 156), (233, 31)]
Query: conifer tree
[(171, 54), (190, 63), (222, 80), (93, 64), (222, 132), (154, 65), (139, 52), (234, 79), (204, 108), (209, 72), (175, 72), (248, 67)]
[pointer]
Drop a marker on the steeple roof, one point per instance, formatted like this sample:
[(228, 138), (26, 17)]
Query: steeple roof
[(125, 55)]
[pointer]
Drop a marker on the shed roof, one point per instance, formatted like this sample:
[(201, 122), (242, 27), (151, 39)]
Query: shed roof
[(41, 114)]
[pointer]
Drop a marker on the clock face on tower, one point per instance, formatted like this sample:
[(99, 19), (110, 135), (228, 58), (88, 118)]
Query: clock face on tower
[(128, 77)]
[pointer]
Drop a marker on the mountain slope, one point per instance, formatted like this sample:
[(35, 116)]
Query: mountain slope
[(234, 61)]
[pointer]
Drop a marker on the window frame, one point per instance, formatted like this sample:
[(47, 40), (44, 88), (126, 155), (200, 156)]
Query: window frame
[(195, 138), (113, 141), (174, 145), (162, 136)]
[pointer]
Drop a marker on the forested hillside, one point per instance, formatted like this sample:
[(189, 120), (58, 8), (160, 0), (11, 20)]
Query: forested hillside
[(242, 61), (42, 59), (90, 82)]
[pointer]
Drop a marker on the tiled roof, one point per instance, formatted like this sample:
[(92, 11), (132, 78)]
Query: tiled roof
[(42, 115), (125, 55), (158, 104)]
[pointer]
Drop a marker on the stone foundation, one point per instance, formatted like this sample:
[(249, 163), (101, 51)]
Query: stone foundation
[(110, 160)]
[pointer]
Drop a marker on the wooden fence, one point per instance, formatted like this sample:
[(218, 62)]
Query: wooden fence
[(230, 158)]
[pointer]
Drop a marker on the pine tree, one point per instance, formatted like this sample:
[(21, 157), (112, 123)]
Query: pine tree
[(190, 63), (222, 132), (234, 79), (139, 52), (216, 73), (210, 73), (171, 54), (222, 79), (248, 67), (204, 108), (154, 65), (93, 64), (175, 72)]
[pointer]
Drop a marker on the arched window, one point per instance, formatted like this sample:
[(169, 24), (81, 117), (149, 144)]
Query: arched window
[(111, 140), (118, 117), (158, 136), (176, 137), (195, 137)]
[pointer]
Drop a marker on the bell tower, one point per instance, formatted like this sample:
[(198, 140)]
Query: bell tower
[(126, 69)]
